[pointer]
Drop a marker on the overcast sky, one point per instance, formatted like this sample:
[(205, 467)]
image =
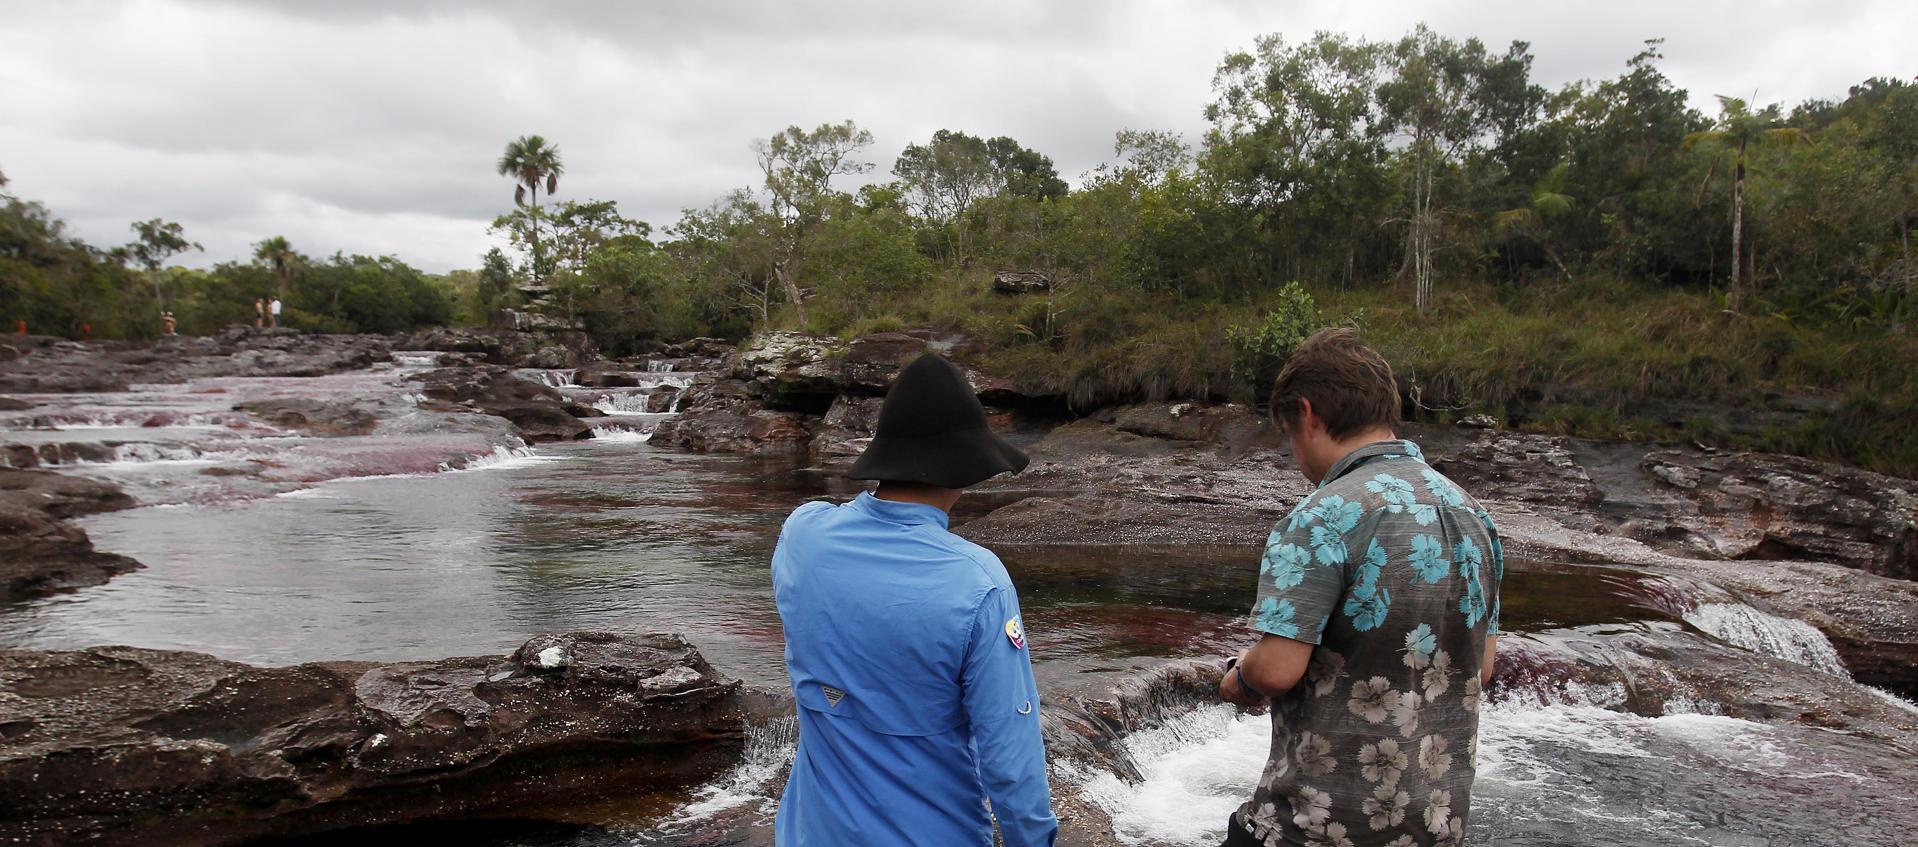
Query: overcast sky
[(373, 127)]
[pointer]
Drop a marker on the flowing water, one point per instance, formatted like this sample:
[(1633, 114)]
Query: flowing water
[(417, 546)]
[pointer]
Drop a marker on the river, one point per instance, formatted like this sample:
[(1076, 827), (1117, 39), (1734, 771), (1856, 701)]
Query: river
[(426, 546)]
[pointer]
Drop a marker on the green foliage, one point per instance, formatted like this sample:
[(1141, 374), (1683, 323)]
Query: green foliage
[(1263, 347)]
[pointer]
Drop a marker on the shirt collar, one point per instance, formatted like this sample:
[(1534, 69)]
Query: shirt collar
[(1394, 448), (893, 511)]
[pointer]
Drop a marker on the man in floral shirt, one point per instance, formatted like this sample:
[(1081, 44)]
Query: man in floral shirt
[(1378, 600)]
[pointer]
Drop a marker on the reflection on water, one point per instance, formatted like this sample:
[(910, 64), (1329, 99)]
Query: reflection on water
[(613, 536)]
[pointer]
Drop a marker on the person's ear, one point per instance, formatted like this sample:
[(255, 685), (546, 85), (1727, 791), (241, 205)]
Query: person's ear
[(1305, 417)]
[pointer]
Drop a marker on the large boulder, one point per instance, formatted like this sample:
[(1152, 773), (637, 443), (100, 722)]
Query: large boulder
[(804, 373), (540, 413), (1785, 507), (560, 348), (40, 552), (120, 745), (792, 371), (312, 415), (845, 430)]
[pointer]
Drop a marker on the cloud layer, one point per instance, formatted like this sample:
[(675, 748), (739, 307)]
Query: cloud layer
[(373, 127)]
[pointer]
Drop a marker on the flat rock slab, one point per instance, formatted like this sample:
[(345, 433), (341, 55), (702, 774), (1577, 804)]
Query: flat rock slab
[(120, 745)]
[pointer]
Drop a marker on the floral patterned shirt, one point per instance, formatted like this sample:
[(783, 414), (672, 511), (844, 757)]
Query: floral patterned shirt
[(1394, 573)]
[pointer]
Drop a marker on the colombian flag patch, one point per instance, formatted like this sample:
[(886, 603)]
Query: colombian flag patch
[(1016, 633)]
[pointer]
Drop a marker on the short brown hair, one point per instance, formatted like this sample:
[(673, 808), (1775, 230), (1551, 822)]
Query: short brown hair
[(1350, 385)]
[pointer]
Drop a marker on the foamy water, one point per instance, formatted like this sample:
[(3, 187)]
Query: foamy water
[(1769, 635)]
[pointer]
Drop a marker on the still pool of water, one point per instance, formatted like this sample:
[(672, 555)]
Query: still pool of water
[(608, 535)]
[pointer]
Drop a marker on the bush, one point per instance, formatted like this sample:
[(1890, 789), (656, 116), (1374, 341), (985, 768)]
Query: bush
[(1261, 349)]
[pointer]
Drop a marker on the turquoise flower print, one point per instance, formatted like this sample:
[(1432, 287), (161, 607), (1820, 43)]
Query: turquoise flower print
[(1419, 644), (1367, 579), (1428, 558), (1399, 497), (1472, 605), (1285, 563), (1442, 488), (1396, 493), (1328, 545), (1413, 450), (1302, 514), (1367, 610), (1339, 513), (1276, 617), (1470, 559), (1469, 556), (1425, 513)]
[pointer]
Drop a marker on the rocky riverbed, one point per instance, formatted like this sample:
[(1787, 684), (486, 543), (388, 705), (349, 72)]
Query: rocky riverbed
[(1759, 588)]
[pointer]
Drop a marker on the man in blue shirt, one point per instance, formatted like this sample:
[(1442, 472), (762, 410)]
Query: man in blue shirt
[(918, 715)]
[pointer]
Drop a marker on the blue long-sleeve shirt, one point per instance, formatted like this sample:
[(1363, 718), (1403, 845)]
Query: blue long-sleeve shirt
[(916, 699)]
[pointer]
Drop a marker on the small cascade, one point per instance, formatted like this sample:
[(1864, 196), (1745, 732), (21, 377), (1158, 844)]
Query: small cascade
[(660, 366), (634, 403), (555, 378), (750, 790), (412, 359), (1769, 635)]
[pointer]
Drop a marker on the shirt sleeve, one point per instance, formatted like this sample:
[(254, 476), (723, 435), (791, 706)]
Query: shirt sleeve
[(1302, 572), (1002, 706), (1498, 571)]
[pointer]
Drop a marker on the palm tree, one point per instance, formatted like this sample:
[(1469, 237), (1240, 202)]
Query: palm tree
[(277, 254), (530, 161), (1549, 200), (1739, 130)]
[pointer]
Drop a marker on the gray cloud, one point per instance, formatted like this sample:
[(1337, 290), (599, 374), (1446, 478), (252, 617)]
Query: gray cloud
[(374, 127)]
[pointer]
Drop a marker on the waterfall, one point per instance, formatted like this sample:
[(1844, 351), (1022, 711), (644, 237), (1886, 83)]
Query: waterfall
[(559, 378), (660, 366), (1769, 635), (751, 787)]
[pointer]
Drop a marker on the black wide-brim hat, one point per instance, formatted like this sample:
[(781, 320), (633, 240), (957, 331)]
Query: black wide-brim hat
[(933, 431)]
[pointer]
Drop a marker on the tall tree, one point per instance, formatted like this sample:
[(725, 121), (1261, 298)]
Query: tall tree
[(1445, 98), (277, 254), (1297, 144), (1740, 132), (531, 162), (799, 167), (156, 241)]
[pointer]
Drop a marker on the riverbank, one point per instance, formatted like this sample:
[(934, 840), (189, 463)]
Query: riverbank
[(1675, 602)]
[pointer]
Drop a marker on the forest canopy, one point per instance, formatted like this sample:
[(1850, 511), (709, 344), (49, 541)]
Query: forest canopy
[(1602, 258)]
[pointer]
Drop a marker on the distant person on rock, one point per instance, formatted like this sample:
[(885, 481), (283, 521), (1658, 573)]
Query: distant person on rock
[(166, 318), (904, 644), (1378, 603), (273, 312), (259, 313)]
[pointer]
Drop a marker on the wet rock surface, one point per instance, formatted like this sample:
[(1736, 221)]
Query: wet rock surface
[(41, 552), (539, 412), (119, 745), (69, 366), (551, 349)]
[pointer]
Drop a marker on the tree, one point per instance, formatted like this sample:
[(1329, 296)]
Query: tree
[(799, 167), (278, 255), (157, 242), (1444, 99), (531, 162), (1297, 146), (1739, 132), (496, 285), (1549, 201)]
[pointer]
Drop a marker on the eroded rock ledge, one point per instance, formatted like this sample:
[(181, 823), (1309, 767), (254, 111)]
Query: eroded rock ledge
[(120, 745), (40, 552)]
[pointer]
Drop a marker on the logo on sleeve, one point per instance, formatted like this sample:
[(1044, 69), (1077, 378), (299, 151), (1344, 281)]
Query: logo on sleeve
[(1016, 633), (833, 696)]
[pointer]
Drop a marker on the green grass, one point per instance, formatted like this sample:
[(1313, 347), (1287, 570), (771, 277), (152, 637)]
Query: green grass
[(1588, 357)]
